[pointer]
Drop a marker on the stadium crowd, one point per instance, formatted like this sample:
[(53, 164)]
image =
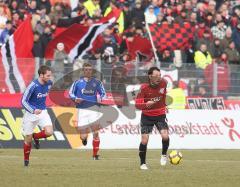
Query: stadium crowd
[(217, 26)]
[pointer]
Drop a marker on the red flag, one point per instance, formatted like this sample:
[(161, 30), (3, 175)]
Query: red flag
[(78, 39), (18, 65), (174, 36), (139, 45)]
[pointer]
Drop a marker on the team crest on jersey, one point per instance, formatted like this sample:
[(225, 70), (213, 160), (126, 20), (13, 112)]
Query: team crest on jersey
[(162, 90)]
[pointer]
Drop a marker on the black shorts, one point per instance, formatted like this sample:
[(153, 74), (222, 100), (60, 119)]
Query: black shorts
[(147, 123)]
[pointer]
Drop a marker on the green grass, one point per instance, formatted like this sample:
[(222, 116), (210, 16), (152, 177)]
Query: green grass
[(118, 168)]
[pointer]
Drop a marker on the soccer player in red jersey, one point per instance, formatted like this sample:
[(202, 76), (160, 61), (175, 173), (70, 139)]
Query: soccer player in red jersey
[(151, 100)]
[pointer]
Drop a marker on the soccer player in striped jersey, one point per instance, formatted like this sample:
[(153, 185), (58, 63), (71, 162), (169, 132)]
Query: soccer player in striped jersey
[(34, 103), (84, 93), (152, 101)]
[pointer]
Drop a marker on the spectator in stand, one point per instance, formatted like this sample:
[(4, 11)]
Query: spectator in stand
[(202, 59), (56, 13), (166, 57), (3, 19), (14, 6), (219, 31), (216, 49), (42, 14), (203, 91), (37, 52), (16, 21), (6, 32), (127, 15), (61, 66), (223, 75), (45, 3), (177, 97), (138, 13), (236, 36), (92, 7), (32, 7), (232, 53), (209, 20), (150, 16), (193, 18), (211, 8), (227, 39), (46, 37), (41, 25), (207, 39)]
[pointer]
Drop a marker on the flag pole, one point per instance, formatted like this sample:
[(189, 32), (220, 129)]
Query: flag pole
[(153, 46)]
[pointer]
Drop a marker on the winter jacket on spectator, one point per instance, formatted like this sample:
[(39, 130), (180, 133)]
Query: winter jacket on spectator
[(216, 49), (45, 3), (91, 7), (233, 54), (202, 59), (236, 37), (222, 76), (120, 20), (137, 14), (219, 30)]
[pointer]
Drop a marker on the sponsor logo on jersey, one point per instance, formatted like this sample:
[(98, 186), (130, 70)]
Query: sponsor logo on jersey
[(87, 92), (41, 95)]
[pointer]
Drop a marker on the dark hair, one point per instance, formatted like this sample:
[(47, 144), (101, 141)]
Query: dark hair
[(150, 71), (43, 69)]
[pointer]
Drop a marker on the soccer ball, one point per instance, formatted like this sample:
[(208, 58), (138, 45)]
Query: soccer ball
[(175, 157)]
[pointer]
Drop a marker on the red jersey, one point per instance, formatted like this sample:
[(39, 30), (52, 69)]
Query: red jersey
[(157, 94)]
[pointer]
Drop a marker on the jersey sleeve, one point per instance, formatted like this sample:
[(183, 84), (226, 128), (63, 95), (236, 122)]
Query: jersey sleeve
[(139, 101), (101, 90), (25, 99), (72, 91)]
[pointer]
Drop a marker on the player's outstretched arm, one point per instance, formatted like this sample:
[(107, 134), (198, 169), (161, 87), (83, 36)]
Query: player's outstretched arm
[(25, 99)]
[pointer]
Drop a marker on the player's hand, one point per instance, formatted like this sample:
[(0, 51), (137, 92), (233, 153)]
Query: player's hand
[(78, 100), (37, 111), (149, 104)]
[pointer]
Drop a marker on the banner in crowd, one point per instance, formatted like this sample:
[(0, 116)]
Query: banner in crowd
[(208, 103), (78, 39), (11, 132), (232, 104), (174, 36), (17, 65), (189, 129)]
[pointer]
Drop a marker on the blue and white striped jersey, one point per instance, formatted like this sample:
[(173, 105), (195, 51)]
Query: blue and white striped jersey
[(35, 95), (88, 91)]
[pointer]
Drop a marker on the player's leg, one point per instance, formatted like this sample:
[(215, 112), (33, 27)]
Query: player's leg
[(27, 130), (162, 126), (83, 128), (27, 148), (146, 128), (83, 136), (165, 144), (47, 129), (95, 143), (143, 150)]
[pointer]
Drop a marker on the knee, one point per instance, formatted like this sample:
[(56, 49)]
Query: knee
[(165, 137), (28, 139), (49, 132)]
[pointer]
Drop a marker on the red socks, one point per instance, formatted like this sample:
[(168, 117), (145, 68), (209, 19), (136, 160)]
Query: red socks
[(95, 144), (39, 135), (26, 150)]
